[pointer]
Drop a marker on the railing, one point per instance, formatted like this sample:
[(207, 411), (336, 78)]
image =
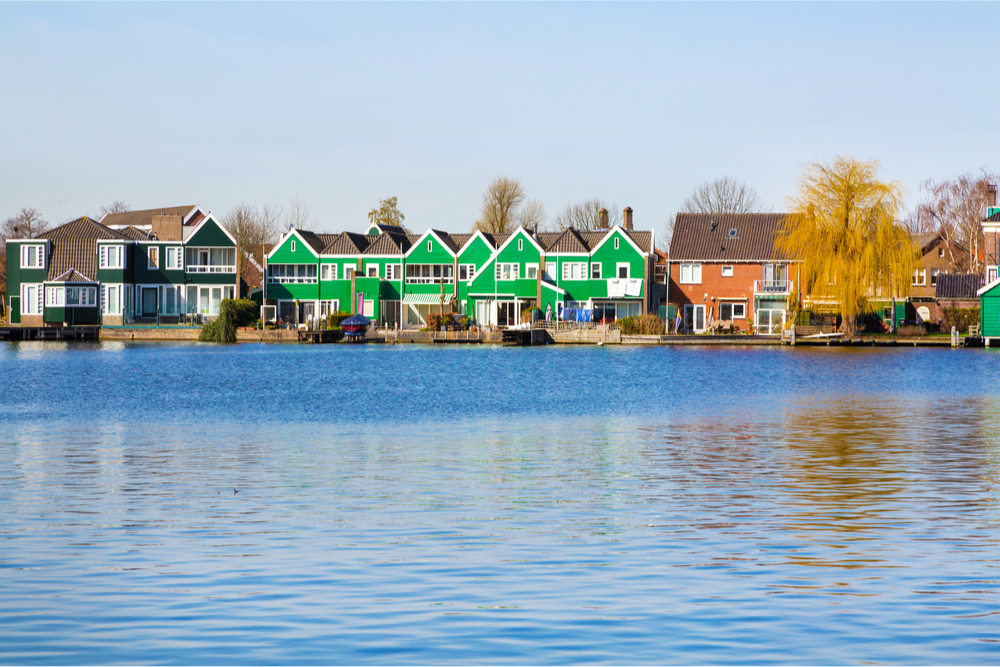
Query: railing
[(305, 280), (414, 280), (772, 286), (211, 268)]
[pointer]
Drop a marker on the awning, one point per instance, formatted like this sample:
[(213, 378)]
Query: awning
[(425, 298)]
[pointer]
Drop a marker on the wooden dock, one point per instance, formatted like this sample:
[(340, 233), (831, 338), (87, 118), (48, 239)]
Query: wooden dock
[(50, 333), (320, 335)]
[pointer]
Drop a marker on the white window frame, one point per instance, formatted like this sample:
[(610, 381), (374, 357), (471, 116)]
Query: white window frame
[(727, 270), (430, 245), (628, 270), (528, 271), (393, 271), (693, 274), (349, 271), (150, 252), (293, 245), (595, 270), (368, 270), (368, 308), (510, 269), (919, 277), (580, 270), (175, 255), (328, 271), (616, 243), (551, 271), (520, 245), (469, 269), (35, 250), (34, 306)]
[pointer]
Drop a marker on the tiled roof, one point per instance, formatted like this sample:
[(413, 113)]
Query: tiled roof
[(384, 244), (74, 246), (143, 217), (395, 229), (643, 239), (82, 228), (346, 243), (460, 239), (312, 239), (958, 285), (134, 234), (993, 218), (72, 276), (568, 241), (705, 237), (446, 239)]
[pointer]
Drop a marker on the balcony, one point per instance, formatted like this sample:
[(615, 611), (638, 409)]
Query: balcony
[(211, 268), (776, 287)]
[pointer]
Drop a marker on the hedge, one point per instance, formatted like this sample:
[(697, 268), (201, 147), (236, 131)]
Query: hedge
[(647, 325), (961, 318), (233, 313), (333, 320)]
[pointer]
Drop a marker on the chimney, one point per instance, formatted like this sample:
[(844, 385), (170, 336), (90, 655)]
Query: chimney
[(991, 194), (167, 227), (628, 218), (604, 218)]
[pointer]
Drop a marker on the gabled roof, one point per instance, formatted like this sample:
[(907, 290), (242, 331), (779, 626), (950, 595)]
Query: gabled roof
[(384, 244), (993, 218), (134, 234), (82, 228), (643, 239), (705, 237), (958, 285), (394, 229), (442, 238), (568, 241), (72, 276), (312, 238), (628, 237), (145, 216)]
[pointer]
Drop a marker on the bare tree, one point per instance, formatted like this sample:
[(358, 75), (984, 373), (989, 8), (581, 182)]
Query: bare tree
[(27, 224), (586, 215), (954, 208), (117, 206), (387, 213), (254, 230), (300, 215), (532, 214), (723, 195), (502, 201)]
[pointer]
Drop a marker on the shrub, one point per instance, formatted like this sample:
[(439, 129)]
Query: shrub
[(436, 320), (333, 320), (242, 312), (912, 330), (219, 331), (528, 314), (961, 318), (645, 325)]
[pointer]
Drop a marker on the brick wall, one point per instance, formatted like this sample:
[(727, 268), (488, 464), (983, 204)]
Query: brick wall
[(717, 288)]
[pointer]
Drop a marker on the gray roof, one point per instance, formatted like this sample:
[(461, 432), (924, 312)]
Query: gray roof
[(384, 244), (72, 276), (145, 216), (74, 246), (706, 237), (958, 285)]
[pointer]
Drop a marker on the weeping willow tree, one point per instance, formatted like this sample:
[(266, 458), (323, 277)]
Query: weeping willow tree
[(843, 227)]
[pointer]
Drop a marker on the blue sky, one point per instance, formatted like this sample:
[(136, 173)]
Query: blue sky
[(343, 104)]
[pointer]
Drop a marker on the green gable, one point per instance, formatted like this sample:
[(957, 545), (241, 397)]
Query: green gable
[(437, 254), (210, 234)]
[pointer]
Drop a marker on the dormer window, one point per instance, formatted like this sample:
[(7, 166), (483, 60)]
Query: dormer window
[(732, 233)]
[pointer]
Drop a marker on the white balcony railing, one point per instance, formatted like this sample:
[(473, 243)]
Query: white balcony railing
[(211, 268), (292, 280), (772, 286)]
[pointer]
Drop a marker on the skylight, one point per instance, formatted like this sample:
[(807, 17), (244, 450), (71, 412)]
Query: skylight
[(732, 233)]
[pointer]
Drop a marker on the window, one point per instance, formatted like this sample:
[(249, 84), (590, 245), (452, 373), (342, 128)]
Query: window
[(368, 309), (595, 270), (574, 271), (691, 274), (531, 271), (112, 256), (293, 245), (291, 273), (208, 260), (55, 296), (31, 299), (393, 272), (551, 267), (623, 269), (727, 271), (372, 270), (508, 271), (430, 274), (75, 296), (466, 271), (329, 272), (732, 233), (175, 259), (616, 243), (430, 246), (732, 311), (349, 270), (920, 276), (991, 274), (934, 275), (520, 244), (32, 257), (153, 257), (941, 252), (109, 299)]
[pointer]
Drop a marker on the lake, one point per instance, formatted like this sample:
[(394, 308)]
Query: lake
[(186, 503)]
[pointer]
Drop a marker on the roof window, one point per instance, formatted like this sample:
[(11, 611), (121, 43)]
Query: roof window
[(732, 233)]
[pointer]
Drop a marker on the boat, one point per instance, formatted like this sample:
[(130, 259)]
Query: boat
[(355, 326)]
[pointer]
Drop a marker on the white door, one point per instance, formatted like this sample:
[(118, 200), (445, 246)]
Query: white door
[(694, 318)]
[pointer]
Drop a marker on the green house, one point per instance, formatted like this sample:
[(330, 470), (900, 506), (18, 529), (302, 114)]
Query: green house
[(71, 299), (989, 313)]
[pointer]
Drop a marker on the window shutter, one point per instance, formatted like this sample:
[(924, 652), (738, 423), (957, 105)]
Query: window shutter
[(566, 271), (41, 257), (40, 305), (498, 270), (180, 258), (104, 256), (104, 298), (517, 271)]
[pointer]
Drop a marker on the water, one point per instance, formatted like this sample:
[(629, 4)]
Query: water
[(411, 504)]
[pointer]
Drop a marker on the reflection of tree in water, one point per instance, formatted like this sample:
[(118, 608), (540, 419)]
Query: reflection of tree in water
[(881, 470)]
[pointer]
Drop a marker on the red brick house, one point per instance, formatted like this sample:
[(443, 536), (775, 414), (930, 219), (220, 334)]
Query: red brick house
[(726, 267)]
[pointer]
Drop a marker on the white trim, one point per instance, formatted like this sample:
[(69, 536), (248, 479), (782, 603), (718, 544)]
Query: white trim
[(419, 241), (496, 253), (472, 238), (287, 235), (625, 236), (628, 270), (198, 227), (986, 288)]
